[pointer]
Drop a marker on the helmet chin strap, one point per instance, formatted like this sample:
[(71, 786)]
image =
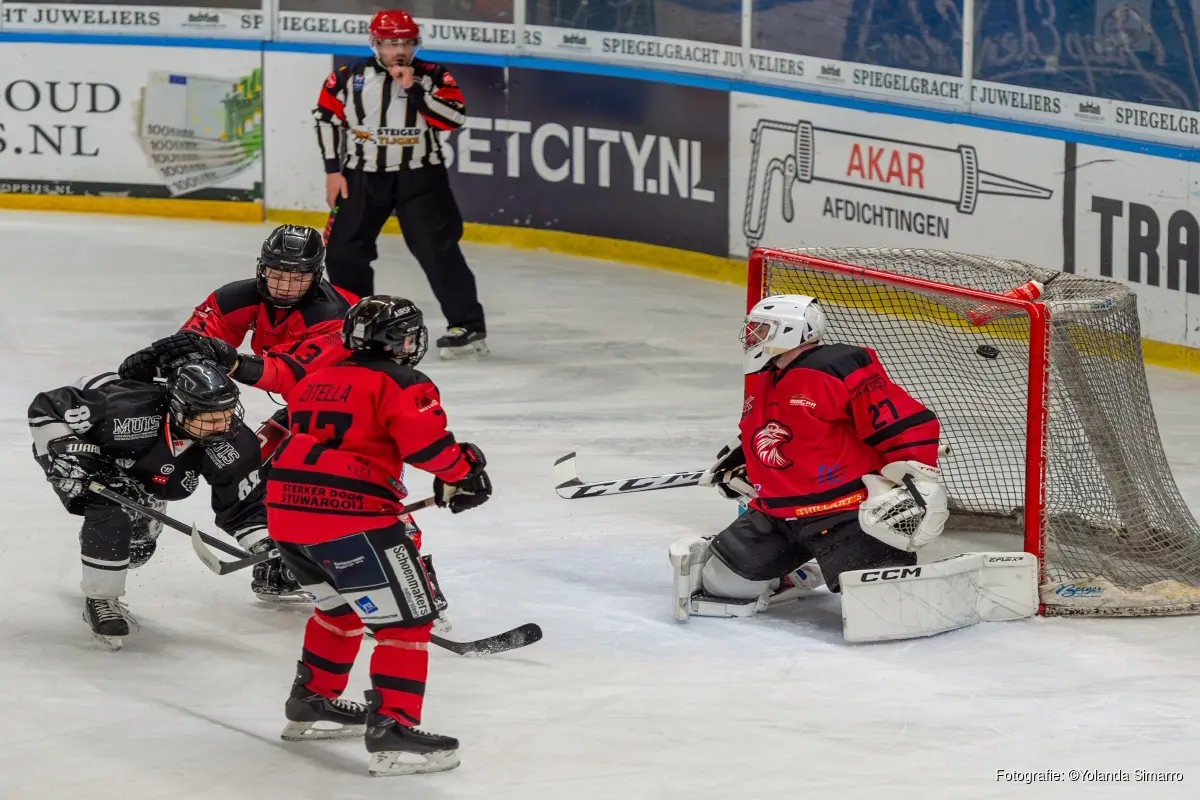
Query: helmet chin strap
[(783, 359)]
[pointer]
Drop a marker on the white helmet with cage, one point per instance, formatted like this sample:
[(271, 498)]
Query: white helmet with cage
[(778, 324)]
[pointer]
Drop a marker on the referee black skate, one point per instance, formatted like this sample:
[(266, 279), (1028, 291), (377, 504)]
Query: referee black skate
[(377, 123)]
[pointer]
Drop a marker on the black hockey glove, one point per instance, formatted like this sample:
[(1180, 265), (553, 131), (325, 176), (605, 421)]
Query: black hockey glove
[(141, 366), (179, 348), (470, 492), (73, 463), (245, 369)]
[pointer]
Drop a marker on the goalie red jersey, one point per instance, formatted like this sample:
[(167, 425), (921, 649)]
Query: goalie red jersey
[(354, 426), (811, 430)]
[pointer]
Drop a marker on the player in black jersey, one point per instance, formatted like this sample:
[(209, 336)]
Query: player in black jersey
[(152, 443)]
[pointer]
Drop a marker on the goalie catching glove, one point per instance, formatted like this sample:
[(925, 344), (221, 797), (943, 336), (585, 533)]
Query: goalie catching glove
[(906, 505), (728, 472), (468, 492)]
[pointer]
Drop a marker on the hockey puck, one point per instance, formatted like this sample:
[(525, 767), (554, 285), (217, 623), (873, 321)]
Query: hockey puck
[(988, 351)]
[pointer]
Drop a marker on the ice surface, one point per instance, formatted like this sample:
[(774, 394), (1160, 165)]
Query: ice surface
[(638, 371)]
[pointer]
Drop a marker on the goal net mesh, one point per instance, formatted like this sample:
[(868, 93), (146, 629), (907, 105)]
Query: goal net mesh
[(1118, 538)]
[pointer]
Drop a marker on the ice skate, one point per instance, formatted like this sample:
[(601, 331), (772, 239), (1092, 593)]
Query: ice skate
[(399, 750), (109, 620), (274, 583), (462, 343), (305, 711)]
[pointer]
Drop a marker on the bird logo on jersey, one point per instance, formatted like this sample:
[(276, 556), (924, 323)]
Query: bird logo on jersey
[(767, 443)]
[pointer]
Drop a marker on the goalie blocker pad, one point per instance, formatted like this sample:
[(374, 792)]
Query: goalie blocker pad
[(909, 602)]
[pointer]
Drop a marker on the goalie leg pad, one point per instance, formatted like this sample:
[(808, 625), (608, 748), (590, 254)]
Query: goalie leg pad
[(688, 557), (750, 556), (909, 602), (718, 580), (691, 561)]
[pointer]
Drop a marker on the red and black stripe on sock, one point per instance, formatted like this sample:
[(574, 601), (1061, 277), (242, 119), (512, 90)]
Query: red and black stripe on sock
[(331, 642), (399, 668)]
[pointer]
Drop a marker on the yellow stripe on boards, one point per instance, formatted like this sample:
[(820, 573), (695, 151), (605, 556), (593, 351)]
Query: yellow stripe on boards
[(218, 210), (700, 265), (725, 270)]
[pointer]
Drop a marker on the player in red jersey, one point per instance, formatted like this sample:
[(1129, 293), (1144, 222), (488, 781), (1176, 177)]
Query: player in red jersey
[(294, 319), (333, 509), (293, 316), (832, 455)]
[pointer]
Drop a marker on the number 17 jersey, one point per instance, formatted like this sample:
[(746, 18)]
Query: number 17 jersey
[(354, 426)]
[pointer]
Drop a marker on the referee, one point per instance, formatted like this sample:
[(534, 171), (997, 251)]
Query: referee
[(384, 113)]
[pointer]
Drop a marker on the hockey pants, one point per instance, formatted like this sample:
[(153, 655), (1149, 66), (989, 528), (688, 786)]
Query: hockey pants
[(432, 226)]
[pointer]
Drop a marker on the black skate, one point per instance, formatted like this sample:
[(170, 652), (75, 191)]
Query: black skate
[(462, 343), (109, 620), (340, 719), (399, 750), (272, 582)]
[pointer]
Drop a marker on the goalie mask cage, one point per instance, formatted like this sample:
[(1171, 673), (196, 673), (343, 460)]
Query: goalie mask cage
[(1043, 403)]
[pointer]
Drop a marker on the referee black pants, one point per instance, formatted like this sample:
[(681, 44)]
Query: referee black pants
[(432, 226)]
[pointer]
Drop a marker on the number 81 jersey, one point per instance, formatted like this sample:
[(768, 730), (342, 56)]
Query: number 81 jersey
[(354, 426), (811, 430)]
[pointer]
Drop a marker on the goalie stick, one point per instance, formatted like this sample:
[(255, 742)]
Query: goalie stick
[(569, 487)]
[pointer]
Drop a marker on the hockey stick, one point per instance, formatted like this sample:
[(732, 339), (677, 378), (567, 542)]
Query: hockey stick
[(569, 487), (210, 560), (108, 494), (521, 636)]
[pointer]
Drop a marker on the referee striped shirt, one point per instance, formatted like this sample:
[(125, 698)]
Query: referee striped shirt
[(381, 127)]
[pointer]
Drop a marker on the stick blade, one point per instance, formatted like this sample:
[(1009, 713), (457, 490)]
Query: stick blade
[(566, 475), (206, 556), (518, 637)]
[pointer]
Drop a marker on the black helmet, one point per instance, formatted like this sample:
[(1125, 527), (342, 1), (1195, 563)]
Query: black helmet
[(198, 387), (388, 326), (291, 248)]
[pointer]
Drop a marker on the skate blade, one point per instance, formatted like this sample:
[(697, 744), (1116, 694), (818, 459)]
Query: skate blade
[(466, 351), (402, 762), (293, 599), (109, 643), (308, 732)]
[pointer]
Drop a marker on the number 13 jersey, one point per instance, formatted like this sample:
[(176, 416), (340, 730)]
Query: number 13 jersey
[(811, 430), (354, 426), (292, 341)]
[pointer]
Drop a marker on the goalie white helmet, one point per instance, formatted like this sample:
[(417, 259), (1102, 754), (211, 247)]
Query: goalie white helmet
[(778, 324)]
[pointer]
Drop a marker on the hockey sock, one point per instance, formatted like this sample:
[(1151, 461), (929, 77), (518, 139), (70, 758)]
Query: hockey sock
[(399, 667), (330, 646)]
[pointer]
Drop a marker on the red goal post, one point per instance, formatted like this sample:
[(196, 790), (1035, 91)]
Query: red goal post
[(1040, 445)]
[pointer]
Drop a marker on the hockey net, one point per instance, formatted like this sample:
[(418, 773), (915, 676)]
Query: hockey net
[(1044, 404)]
